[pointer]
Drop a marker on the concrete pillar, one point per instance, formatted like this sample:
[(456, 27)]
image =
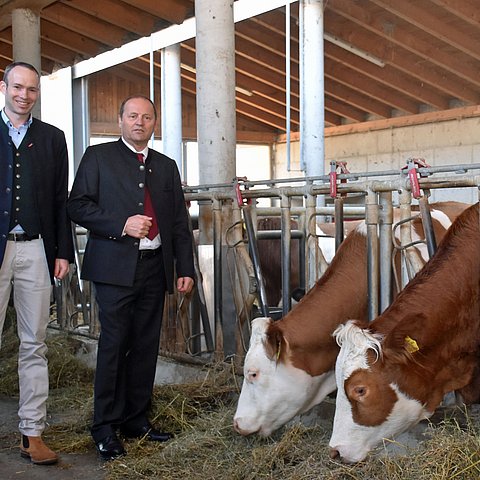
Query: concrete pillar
[(215, 63), (312, 99), (216, 132), (26, 42), (171, 104)]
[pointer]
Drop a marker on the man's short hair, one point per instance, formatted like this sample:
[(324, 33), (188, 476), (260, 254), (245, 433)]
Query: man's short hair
[(131, 97), (12, 65)]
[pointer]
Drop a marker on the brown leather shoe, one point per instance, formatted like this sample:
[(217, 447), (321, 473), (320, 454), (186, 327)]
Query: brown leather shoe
[(35, 449)]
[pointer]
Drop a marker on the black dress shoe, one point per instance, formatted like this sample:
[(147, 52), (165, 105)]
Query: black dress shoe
[(147, 432), (110, 447)]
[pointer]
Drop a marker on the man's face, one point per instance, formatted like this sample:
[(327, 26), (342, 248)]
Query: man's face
[(21, 91), (137, 122)]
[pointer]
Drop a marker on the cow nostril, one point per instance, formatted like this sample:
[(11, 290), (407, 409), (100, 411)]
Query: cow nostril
[(334, 453)]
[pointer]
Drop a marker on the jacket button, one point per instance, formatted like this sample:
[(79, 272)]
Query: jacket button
[(141, 185)]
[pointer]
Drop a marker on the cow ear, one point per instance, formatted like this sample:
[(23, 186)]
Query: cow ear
[(403, 340), (273, 343)]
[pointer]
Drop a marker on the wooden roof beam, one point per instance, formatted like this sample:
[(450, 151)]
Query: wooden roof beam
[(83, 45), (86, 25), (429, 21), (388, 76), (356, 99), (175, 11), (367, 86), (124, 16), (344, 110), (396, 37), (467, 10)]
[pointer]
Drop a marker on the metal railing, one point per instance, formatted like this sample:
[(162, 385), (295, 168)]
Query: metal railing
[(198, 328)]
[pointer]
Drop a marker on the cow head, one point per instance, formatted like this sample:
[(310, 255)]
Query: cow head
[(273, 390), (369, 406)]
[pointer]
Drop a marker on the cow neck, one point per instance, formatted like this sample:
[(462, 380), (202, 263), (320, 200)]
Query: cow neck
[(440, 311), (341, 294)]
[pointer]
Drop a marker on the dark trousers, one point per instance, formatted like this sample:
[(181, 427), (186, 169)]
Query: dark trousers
[(130, 320)]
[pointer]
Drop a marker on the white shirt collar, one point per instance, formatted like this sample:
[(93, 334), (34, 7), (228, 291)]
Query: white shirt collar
[(144, 152)]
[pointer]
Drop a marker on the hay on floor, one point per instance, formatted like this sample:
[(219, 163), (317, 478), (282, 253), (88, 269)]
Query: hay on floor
[(205, 445)]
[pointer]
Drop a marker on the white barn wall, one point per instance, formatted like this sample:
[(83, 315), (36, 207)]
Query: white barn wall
[(450, 142)]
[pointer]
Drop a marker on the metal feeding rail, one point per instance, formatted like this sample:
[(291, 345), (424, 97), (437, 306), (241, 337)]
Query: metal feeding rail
[(232, 206)]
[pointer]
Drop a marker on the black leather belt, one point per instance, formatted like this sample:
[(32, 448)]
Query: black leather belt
[(148, 253), (22, 237)]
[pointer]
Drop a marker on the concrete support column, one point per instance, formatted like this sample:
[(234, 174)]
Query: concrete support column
[(215, 63), (171, 104), (26, 41), (216, 134), (312, 103)]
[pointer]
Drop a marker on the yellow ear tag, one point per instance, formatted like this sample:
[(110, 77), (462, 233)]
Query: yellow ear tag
[(411, 345), (278, 351)]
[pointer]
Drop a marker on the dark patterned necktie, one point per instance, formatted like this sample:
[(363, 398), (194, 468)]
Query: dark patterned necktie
[(148, 207)]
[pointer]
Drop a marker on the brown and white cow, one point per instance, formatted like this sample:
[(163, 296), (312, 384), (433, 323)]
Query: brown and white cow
[(395, 371), (289, 365)]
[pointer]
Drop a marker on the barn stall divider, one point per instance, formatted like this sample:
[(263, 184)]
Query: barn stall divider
[(213, 323)]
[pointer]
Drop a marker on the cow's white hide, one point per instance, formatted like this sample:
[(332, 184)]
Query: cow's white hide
[(352, 441), (274, 392)]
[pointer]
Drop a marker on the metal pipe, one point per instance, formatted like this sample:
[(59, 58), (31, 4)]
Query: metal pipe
[(386, 249), (200, 293), (427, 225), (411, 261), (311, 273), (301, 251), (276, 234), (286, 265), (252, 245), (217, 274), (371, 220), (339, 234)]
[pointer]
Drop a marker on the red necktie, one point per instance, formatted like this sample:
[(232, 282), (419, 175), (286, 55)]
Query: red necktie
[(148, 207)]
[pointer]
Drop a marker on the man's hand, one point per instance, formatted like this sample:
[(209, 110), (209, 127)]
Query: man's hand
[(185, 284), (138, 226), (61, 268)]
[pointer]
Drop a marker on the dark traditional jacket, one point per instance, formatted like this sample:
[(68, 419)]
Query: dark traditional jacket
[(49, 159), (109, 188)]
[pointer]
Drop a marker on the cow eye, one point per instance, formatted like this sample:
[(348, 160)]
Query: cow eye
[(360, 391), (252, 375)]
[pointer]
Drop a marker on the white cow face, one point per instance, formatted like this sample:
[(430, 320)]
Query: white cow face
[(369, 407), (274, 392)]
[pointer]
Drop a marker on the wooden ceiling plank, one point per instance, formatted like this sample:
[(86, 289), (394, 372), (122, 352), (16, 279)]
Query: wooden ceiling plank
[(119, 14), (86, 25), (368, 87), (62, 56), (389, 76), (174, 11), (84, 46), (347, 95), (396, 36), (268, 120), (467, 10), (344, 110), (429, 21), (411, 64)]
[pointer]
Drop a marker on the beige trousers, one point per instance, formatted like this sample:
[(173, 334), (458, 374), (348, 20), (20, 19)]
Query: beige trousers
[(25, 266)]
